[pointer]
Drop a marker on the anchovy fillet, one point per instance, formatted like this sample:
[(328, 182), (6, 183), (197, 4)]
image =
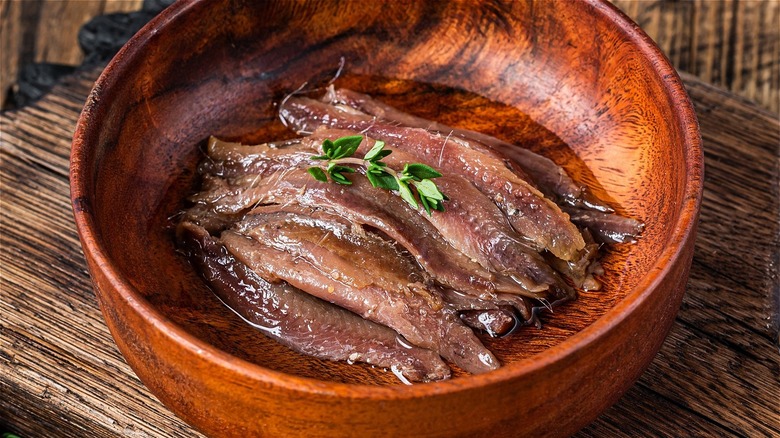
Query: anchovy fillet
[(302, 322)]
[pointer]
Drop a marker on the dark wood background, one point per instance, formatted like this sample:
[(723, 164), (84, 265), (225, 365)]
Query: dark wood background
[(734, 44)]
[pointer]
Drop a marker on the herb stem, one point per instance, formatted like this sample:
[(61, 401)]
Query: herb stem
[(367, 164), (355, 161)]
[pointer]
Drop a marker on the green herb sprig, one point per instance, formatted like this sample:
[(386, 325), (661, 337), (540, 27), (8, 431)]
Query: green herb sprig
[(338, 154)]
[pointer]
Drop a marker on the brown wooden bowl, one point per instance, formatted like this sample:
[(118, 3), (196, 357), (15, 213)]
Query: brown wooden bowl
[(576, 80)]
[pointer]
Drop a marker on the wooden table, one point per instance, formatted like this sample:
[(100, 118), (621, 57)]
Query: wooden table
[(717, 374)]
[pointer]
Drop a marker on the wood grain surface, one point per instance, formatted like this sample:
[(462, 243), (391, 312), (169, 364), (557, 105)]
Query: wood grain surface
[(717, 374), (731, 43), (45, 31)]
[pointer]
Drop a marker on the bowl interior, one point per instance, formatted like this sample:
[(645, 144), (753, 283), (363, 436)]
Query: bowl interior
[(557, 77)]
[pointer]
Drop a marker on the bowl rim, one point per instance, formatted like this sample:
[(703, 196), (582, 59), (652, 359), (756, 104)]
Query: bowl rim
[(683, 231)]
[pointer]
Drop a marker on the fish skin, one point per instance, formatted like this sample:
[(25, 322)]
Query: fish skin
[(606, 227), (549, 177), (354, 278), (369, 206), (302, 322), (495, 322), (471, 223), (530, 213)]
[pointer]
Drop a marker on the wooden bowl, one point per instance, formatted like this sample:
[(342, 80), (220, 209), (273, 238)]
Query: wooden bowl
[(576, 80)]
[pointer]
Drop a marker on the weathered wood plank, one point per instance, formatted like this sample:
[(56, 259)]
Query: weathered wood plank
[(59, 22), (731, 43), (46, 31), (10, 44), (717, 374), (64, 377)]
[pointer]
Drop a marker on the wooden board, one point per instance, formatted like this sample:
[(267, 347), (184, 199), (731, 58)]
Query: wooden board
[(46, 31), (717, 374), (731, 43)]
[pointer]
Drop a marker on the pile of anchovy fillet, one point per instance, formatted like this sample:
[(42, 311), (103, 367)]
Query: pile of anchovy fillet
[(353, 272)]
